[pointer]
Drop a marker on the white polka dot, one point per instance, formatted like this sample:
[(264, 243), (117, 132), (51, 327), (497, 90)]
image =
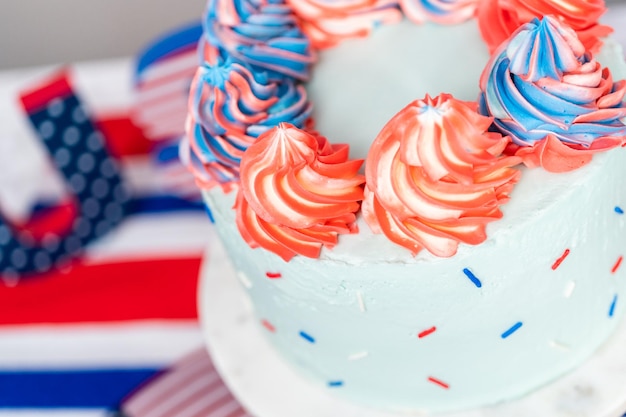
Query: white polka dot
[(62, 262), (78, 115), (18, 258), (71, 136), (77, 182), (91, 207), (102, 228), (100, 188), (86, 162), (113, 212), (62, 157), (71, 244), (120, 194), (82, 227), (50, 242), (42, 261), (56, 107), (46, 129), (108, 168), (5, 235), (94, 141), (26, 239), (10, 277)]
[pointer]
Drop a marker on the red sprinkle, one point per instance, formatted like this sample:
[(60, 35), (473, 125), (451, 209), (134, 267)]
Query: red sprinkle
[(426, 332), (438, 382), (556, 263), (617, 264), (268, 326), (273, 275)]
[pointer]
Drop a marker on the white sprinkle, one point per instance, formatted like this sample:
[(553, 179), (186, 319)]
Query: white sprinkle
[(558, 345), (359, 297), (569, 289), (245, 281), (358, 355)]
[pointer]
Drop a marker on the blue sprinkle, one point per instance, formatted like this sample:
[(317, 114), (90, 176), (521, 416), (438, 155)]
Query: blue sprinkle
[(335, 383), (307, 337), (472, 278), (512, 330), (619, 210), (612, 309)]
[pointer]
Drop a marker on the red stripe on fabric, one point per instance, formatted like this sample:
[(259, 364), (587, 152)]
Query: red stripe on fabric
[(123, 137), (130, 290), (57, 219), (38, 96)]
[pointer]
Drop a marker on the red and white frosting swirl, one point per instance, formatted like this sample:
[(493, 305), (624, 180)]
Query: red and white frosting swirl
[(436, 177), (440, 11), (326, 23), (298, 192), (498, 19)]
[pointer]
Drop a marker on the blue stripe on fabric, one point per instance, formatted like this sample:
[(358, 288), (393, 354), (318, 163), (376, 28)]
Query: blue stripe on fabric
[(169, 43), (146, 205), (70, 389), (161, 204)]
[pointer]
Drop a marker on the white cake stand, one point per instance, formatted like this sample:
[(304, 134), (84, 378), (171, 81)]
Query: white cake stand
[(268, 387)]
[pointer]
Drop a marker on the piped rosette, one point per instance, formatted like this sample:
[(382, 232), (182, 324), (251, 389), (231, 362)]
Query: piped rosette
[(327, 23), (297, 193), (552, 97), (436, 177), (262, 33), (229, 107), (439, 11), (499, 19)]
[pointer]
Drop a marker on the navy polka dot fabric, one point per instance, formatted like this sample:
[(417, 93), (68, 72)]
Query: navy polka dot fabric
[(78, 151)]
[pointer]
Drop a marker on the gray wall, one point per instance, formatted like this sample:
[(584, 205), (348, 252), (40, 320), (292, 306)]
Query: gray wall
[(34, 32)]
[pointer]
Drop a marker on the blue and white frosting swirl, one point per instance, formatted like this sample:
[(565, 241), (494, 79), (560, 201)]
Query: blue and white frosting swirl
[(230, 106), (543, 82), (261, 33)]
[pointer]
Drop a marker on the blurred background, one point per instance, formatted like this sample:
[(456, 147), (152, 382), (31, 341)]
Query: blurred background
[(34, 32)]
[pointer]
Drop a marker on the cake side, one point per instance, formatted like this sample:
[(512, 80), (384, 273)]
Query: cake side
[(376, 311)]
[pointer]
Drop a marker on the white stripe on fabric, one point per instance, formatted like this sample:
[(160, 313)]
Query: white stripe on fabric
[(154, 235), (169, 66), (76, 346)]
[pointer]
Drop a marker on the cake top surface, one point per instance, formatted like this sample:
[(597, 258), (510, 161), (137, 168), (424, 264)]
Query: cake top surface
[(255, 58)]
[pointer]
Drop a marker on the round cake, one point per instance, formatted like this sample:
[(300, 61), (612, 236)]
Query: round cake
[(475, 255)]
